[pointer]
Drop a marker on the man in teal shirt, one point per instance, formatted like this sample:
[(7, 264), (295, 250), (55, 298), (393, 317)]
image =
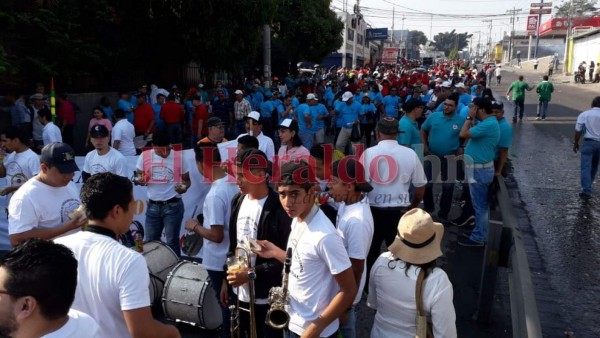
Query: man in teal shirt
[(479, 156), (544, 90), (409, 135), (441, 145), (518, 89)]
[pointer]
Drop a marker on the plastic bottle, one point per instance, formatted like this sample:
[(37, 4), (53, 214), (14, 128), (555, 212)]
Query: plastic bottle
[(139, 242)]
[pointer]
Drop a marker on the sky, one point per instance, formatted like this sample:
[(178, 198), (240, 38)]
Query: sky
[(436, 16)]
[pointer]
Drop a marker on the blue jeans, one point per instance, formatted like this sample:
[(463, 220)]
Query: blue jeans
[(290, 334), (519, 108), (165, 217), (480, 180), (307, 139), (348, 330), (590, 154), (175, 132), (216, 278), (542, 109)]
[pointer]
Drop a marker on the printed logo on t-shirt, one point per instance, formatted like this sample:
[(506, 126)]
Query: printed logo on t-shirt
[(97, 169), (67, 207), (14, 170), (296, 271), (162, 174), (455, 126)]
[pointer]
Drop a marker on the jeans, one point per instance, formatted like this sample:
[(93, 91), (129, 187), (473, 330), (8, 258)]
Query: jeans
[(480, 180), (386, 225), (217, 278), (590, 154), (290, 334), (448, 182), (320, 136), (542, 108), (175, 132), (165, 217), (307, 139), (520, 108), (348, 330), (366, 130)]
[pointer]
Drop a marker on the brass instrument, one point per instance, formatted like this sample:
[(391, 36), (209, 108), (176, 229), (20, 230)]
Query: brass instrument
[(277, 317), (235, 330)]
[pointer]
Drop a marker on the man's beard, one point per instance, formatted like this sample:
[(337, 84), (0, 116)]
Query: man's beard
[(8, 325)]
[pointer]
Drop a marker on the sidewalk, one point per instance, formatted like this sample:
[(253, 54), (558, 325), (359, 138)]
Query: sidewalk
[(557, 76)]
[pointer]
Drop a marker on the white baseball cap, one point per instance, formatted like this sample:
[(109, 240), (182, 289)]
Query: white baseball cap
[(254, 115), (459, 85), (347, 96), (311, 96), (239, 92), (447, 84)]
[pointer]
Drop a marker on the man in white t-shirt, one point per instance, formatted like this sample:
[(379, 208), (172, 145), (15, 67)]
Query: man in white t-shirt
[(321, 281), (37, 287), (354, 223), (216, 212), (104, 158), (44, 206), (51, 133), (123, 134), (166, 175), (391, 169), (21, 163), (265, 143), (256, 214), (112, 280)]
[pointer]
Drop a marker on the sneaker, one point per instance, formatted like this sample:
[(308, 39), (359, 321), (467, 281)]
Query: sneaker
[(463, 220), (585, 196), (466, 234), (538, 118), (543, 119), (469, 243)]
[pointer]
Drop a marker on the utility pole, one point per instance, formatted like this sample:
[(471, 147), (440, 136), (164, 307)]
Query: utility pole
[(568, 58), (393, 22), (356, 20), (402, 37), (537, 34), (514, 12), (431, 28), (489, 39), (267, 55), (478, 43)]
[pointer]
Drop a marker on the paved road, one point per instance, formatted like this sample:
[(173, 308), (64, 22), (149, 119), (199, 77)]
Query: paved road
[(563, 231)]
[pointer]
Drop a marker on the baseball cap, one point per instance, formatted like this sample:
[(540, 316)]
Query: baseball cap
[(214, 122), (239, 92), (347, 96), (289, 124), (37, 96), (388, 126), (459, 85), (497, 105), (254, 115), (61, 156), (99, 130), (311, 96), (439, 80), (412, 104), (447, 84)]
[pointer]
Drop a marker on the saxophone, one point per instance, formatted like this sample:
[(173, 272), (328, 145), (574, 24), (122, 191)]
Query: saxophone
[(277, 317)]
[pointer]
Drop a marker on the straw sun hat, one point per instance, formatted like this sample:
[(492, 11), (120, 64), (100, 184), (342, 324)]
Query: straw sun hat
[(418, 239)]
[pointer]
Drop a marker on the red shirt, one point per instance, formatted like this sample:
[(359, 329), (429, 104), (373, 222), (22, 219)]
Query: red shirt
[(171, 112), (142, 116), (200, 114), (65, 112)]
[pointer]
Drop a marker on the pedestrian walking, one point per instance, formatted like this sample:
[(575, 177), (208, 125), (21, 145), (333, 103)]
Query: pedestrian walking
[(544, 90), (517, 88), (550, 68), (591, 70), (590, 148), (498, 74), (535, 64)]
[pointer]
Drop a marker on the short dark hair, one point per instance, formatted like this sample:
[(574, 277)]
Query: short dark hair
[(45, 113), (483, 103), (318, 152), (297, 173), (521, 77), (204, 149), (545, 77), (44, 270), (454, 97), (161, 138), (596, 102), (20, 133), (249, 142), (119, 113), (101, 192)]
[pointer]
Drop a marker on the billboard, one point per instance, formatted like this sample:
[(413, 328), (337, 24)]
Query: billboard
[(376, 34), (390, 55)]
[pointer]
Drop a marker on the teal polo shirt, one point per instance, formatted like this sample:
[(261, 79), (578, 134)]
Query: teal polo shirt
[(506, 134), (444, 133), (484, 140), (408, 132)]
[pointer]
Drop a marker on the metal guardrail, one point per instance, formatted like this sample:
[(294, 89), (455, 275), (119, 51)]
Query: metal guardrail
[(524, 312)]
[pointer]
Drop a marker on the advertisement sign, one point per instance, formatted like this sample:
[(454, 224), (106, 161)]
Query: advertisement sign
[(532, 23), (376, 34), (538, 11), (390, 55)]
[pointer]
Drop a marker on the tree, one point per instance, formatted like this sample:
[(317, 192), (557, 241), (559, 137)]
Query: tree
[(453, 54), (450, 40), (418, 38), (580, 8)]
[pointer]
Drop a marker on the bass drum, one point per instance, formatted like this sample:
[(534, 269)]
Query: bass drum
[(160, 260), (189, 297)]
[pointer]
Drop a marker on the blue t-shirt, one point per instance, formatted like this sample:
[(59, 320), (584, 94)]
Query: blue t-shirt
[(256, 98), (301, 111), (367, 112), (295, 102), (506, 134), (126, 105), (337, 106), (266, 109), (465, 99), (443, 133), (484, 141), (392, 104), (464, 111), (317, 110), (109, 113), (376, 97), (408, 132), (348, 113), (473, 90), (158, 122)]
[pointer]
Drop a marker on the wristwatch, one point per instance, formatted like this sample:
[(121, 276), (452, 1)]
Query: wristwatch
[(251, 274), (469, 118)]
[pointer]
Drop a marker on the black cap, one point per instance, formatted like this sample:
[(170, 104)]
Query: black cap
[(388, 126), (214, 122), (99, 130), (497, 105), (412, 104), (350, 170), (61, 156)]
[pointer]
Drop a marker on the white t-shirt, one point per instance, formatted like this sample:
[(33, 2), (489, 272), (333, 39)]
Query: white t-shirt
[(51, 133), (355, 225), (317, 257), (124, 132), (392, 294), (20, 167), (265, 144), (391, 168), (113, 161), (498, 71), (111, 278), (38, 205), (247, 226), (79, 325), (217, 210), (163, 172)]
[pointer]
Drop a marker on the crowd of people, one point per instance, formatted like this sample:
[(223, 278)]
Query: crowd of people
[(396, 134)]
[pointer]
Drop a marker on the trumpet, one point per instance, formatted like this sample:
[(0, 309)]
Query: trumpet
[(234, 318), (277, 317)]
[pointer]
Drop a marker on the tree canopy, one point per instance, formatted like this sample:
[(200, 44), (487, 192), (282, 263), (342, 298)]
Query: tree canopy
[(418, 38), (580, 8), (450, 40)]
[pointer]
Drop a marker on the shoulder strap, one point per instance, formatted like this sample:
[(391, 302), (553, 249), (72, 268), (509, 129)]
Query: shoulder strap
[(419, 293)]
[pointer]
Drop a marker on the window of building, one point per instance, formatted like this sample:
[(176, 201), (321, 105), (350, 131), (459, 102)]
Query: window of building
[(359, 39), (350, 34)]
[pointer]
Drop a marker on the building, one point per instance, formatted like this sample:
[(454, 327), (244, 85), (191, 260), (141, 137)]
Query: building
[(585, 46)]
